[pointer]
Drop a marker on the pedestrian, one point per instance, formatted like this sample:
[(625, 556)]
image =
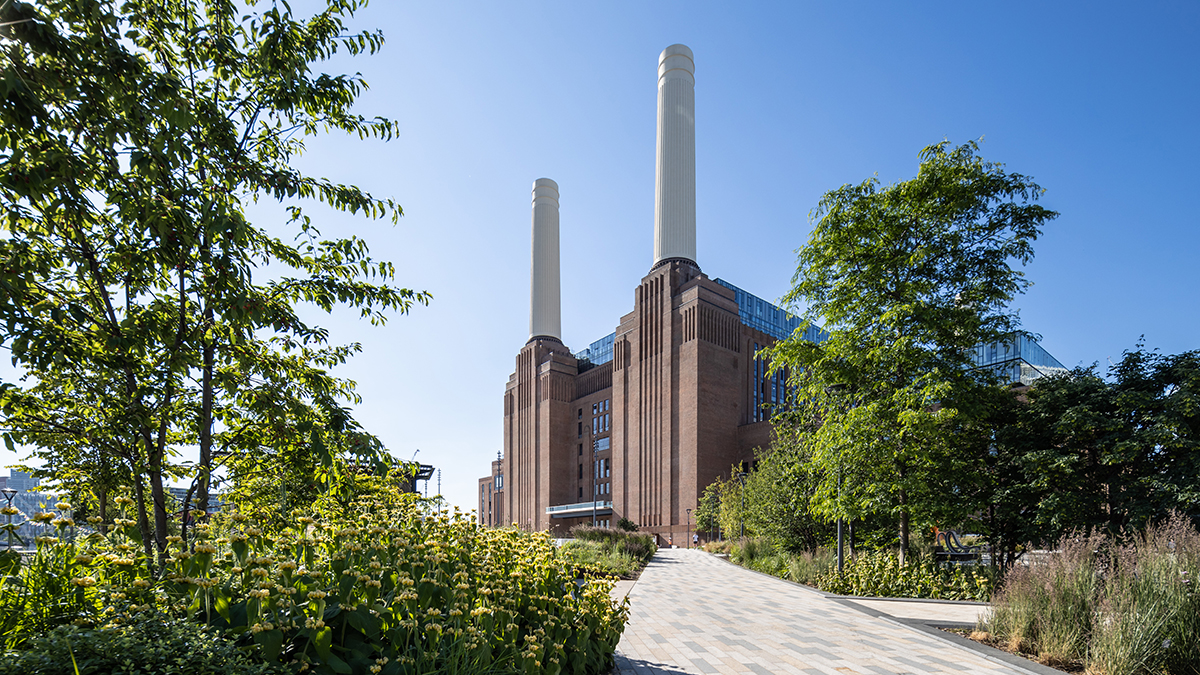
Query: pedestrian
[(695, 540)]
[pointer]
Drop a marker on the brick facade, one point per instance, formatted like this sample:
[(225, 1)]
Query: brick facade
[(675, 406)]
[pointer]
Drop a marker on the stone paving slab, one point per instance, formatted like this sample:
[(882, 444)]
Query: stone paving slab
[(693, 613), (941, 613)]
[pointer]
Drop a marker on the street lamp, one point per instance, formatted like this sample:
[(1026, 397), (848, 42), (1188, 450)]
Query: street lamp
[(688, 532), (9, 493)]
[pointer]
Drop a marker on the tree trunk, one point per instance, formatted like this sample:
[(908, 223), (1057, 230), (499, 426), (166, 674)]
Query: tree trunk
[(139, 498), (160, 514), (102, 509), (204, 470)]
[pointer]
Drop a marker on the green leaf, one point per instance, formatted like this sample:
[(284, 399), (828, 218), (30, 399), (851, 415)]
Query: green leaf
[(337, 665), (271, 642), (323, 641)]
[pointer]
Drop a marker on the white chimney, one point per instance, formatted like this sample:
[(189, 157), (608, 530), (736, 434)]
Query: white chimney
[(675, 164), (545, 311)]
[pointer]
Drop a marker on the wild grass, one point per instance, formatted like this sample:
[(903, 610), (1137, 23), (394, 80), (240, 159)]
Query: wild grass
[(1125, 606), (760, 555), (600, 551)]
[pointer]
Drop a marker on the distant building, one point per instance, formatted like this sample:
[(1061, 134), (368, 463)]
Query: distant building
[(180, 496), (29, 501), (1020, 360)]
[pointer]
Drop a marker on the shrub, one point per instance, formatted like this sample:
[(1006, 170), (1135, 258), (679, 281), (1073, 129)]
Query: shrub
[(627, 524), (880, 574), (152, 644), (723, 546), (381, 579)]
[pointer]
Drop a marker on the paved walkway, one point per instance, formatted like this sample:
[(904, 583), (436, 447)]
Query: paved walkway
[(693, 613)]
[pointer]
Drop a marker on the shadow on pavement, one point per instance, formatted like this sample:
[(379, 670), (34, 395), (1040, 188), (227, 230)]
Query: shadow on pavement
[(627, 666)]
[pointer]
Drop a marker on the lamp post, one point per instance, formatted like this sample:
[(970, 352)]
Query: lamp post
[(687, 534), (9, 493)]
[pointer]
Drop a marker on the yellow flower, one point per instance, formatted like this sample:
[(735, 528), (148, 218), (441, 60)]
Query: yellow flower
[(63, 506), (84, 581), (42, 517), (10, 510)]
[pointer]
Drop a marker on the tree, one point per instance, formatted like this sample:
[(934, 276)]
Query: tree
[(1094, 454), (778, 493), (130, 140), (907, 280), (708, 509)]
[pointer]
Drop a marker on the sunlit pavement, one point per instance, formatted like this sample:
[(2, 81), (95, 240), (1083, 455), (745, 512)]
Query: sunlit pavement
[(691, 612)]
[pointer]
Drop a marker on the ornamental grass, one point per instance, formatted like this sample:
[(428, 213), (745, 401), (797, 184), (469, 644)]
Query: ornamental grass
[(379, 587), (1116, 606)]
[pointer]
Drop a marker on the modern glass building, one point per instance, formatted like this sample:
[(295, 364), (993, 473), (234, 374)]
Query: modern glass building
[(766, 317), (1017, 360), (600, 351)]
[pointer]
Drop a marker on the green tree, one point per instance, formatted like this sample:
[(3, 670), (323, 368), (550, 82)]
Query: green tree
[(1093, 454), (907, 280), (778, 493), (130, 140), (708, 508)]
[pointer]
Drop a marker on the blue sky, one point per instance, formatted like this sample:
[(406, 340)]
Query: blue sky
[(1099, 102)]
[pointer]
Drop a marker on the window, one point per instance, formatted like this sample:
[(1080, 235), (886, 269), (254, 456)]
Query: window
[(581, 449), (581, 487), (594, 408), (500, 482), (595, 428), (603, 444), (580, 413), (580, 472), (580, 430)]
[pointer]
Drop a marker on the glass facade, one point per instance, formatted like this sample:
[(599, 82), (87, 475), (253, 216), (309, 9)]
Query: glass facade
[(1019, 359), (766, 317), (770, 389), (600, 351)]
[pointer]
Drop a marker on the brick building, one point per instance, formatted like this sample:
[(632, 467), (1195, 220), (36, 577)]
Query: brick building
[(637, 424)]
